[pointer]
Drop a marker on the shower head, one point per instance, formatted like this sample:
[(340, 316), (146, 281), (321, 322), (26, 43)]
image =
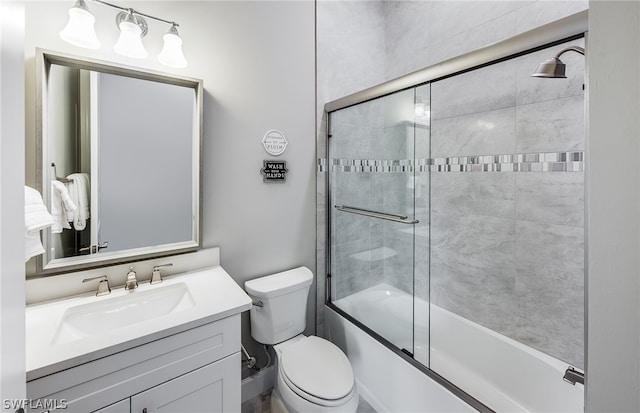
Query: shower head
[(551, 68), (554, 68)]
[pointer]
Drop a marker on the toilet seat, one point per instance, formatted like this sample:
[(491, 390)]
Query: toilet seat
[(317, 370)]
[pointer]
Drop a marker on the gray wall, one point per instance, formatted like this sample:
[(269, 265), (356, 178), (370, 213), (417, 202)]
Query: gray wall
[(257, 76), (260, 78), (613, 293)]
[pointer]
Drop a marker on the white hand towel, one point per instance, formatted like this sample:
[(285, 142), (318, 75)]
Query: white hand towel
[(79, 191), (36, 217), (62, 206), (32, 245)]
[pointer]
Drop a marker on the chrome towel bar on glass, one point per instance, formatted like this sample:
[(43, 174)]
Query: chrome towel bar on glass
[(403, 219)]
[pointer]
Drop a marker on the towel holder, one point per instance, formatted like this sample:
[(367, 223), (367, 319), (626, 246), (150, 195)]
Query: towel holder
[(55, 174)]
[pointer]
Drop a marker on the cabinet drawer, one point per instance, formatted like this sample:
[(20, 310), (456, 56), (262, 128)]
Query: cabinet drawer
[(101, 382)]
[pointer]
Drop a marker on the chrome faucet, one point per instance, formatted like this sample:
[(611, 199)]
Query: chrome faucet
[(156, 278), (573, 376), (131, 283), (103, 285)]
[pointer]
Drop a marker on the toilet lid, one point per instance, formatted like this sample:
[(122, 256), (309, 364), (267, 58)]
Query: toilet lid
[(318, 367)]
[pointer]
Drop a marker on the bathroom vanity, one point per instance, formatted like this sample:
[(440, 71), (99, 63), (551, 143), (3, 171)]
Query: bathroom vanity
[(173, 346), (168, 347)]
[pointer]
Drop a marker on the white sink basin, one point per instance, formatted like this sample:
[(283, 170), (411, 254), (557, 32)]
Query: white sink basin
[(78, 329), (134, 307)]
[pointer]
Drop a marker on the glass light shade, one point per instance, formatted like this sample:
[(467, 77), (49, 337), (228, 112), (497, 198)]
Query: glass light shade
[(130, 41), (171, 54), (79, 31)]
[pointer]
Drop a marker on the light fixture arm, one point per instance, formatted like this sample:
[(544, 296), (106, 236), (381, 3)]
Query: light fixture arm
[(132, 11), (576, 49)]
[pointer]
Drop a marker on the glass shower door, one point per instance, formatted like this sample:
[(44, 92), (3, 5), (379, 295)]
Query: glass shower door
[(457, 228), (507, 233), (373, 214)]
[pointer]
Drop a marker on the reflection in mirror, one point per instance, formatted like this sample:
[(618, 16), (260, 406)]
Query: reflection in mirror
[(119, 153)]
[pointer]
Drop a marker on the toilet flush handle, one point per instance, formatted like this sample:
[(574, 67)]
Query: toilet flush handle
[(258, 303)]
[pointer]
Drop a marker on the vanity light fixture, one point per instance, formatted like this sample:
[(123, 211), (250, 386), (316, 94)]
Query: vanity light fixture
[(133, 27), (171, 54), (79, 31)]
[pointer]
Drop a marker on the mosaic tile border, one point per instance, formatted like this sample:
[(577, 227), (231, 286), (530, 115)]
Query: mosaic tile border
[(523, 162)]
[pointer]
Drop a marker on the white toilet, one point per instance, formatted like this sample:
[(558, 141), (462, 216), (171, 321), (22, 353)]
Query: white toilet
[(312, 374)]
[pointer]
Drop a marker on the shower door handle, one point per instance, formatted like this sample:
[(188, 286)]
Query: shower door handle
[(403, 219)]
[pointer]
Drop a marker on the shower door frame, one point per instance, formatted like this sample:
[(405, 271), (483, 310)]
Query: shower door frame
[(567, 29)]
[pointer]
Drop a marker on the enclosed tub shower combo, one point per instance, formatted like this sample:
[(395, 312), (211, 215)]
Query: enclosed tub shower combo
[(455, 208)]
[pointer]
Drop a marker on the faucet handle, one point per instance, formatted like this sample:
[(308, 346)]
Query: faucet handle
[(103, 285), (156, 278), (131, 283)]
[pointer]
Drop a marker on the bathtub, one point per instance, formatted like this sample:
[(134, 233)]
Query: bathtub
[(502, 373)]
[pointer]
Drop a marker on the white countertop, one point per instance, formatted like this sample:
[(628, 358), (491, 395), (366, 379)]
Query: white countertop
[(213, 293)]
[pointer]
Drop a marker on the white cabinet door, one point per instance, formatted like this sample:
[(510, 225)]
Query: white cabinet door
[(212, 388), (123, 406)]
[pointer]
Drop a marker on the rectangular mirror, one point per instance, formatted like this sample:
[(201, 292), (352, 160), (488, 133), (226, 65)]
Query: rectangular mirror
[(118, 162)]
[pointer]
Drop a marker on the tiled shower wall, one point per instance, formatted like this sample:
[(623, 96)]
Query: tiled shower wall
[(507, 248), (361, 44)]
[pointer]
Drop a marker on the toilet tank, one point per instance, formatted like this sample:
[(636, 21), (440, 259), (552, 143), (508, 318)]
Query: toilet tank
[(283, 300)]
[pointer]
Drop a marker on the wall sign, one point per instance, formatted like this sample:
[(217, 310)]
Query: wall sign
[(274, 142), (274, 171)]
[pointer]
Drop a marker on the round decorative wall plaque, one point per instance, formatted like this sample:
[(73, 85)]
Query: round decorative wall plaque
[(274, 142)]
